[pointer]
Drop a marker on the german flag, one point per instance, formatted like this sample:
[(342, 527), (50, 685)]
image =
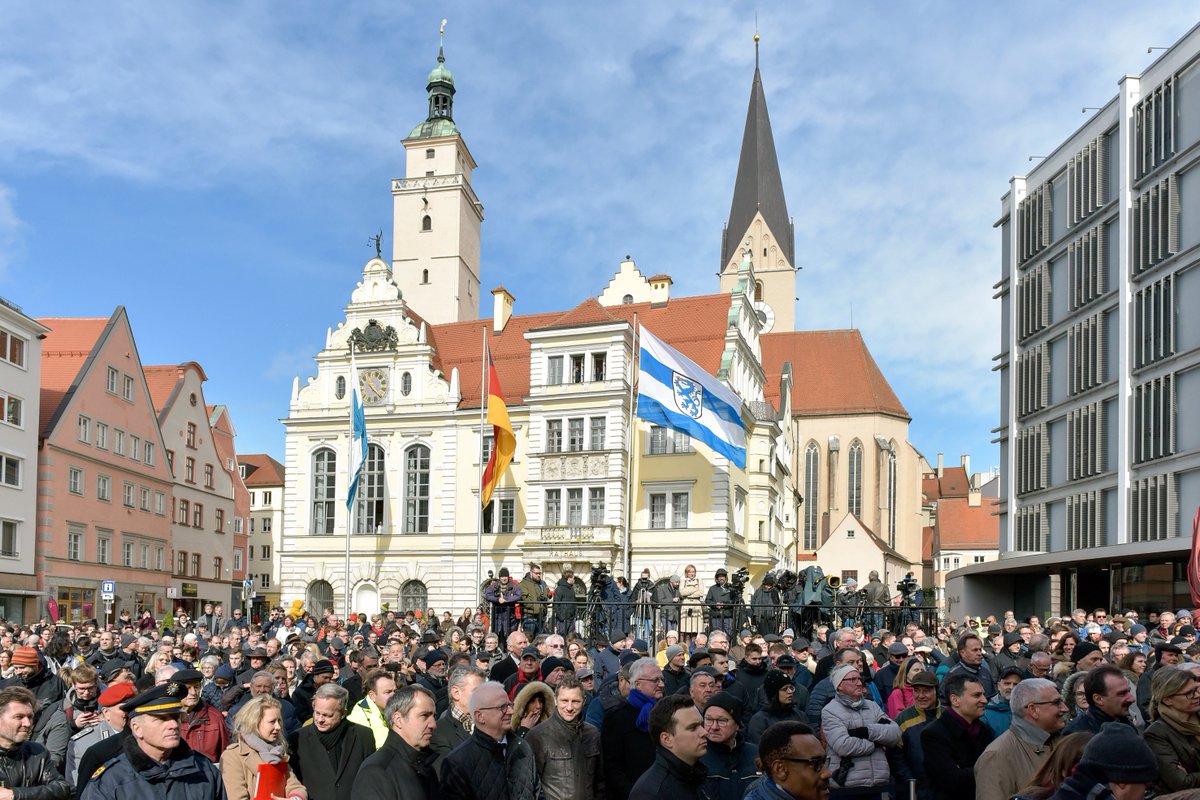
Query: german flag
[(504, 443)]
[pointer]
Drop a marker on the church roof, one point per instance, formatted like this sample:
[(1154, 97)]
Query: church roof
[(65, 350), (834, 374), (759, 186)]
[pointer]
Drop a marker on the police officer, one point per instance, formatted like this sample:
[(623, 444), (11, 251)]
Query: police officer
[(112, 722), (155, 761)]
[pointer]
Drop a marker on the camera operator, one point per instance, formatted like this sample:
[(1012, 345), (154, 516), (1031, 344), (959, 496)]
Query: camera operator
[(642, 596), (764, 606), (719, 602)]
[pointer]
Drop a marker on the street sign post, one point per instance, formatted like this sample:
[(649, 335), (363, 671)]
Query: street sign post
[(108, 593)]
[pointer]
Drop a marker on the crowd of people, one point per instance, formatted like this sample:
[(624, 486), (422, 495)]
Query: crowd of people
[(409, 705)]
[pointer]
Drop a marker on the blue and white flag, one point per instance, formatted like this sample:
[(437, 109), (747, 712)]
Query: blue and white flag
[(674, 392), (358, 433)]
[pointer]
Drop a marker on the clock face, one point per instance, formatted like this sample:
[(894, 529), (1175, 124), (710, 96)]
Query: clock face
[(374, 385), (766, 316)]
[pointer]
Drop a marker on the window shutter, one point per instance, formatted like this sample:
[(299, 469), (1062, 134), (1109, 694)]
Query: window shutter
[(1101, 439), (1169, 390), (1044, 359), (1171, 528), (1043, 528), (1044, 464), (1046, 213), (1101, 163), (1172, 190)]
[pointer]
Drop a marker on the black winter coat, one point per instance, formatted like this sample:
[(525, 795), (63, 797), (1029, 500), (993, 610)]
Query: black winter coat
[(731, 771), (483, 769), (950, 755), (448, 735), (441, 694), (396, 772), (29, 771), (564, 601), (719, 602), (323, 780), (628, 752), (668, 778), (746, 684)]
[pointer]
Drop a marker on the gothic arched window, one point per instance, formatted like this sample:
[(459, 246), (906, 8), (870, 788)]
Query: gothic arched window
[(812, 492), (324, 487), (372, 492), (891, 496), (855, 463), (416, 489), (758, 291)]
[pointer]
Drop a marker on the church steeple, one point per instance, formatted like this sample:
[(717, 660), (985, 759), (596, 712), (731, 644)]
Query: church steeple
[(758, 219), (440, 85), (759, 187)]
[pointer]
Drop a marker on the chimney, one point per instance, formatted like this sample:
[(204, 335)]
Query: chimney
[(966, 465), (660, 288), (939, 467), (502, 305)]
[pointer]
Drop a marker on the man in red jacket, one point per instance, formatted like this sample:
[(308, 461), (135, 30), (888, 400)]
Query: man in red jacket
[(202, 725)]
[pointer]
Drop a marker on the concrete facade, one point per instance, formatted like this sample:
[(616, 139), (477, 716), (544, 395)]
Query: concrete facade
[(20, 404)]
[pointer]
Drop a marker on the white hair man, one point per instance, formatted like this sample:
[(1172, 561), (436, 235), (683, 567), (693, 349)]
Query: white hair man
[(1008, 763)]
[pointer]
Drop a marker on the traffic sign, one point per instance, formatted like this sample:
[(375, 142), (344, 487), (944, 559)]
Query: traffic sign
[(108, 590)]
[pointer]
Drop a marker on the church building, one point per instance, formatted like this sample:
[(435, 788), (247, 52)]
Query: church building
[(826, 435)]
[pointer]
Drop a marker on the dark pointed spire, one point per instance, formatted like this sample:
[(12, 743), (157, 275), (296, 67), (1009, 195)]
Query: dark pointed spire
[(759, 186)]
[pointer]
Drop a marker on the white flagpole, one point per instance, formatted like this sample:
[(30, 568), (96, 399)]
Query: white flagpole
[(350, 480), (627, 556), (483, 394)]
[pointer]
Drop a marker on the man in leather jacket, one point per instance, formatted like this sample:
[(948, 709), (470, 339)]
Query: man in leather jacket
[(567, 749), (26, 770)]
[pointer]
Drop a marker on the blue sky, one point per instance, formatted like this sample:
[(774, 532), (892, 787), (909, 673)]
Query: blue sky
[(217, 168)]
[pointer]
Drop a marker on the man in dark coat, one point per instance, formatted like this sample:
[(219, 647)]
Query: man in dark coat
[(668, 603), (400, 769), (330, 751), (729, 760), (625, 733), (567, 749), (322, 673), (952, 743), (493, 764), (434, 678), (748, 679), (504, 594), (719, 602), (677, 772), (26, 767), (565, 601), (764, 606), (455, 726), (1108, 699)]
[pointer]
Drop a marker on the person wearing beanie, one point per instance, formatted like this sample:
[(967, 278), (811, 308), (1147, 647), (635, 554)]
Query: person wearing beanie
[(856, 729), (730, 758), (719, 602), (751, 672), (1137, 639), (780, 706), (998, 714), (674, 671), (434, 678), (1010, 656), (1116, 763), (504, 594)]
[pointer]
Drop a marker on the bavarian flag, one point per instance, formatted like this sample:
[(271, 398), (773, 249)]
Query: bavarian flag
[(504, 443)]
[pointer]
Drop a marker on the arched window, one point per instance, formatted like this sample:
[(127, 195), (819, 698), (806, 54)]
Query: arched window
[(854, 495), (406, 384), (324, 487), (318, 597), (812, 492), (340, 387), (366, 599), (416, 489), (627, 300), (413, 596), (426, 223), (758, 290), (425, 272), (372, 494), (891, 496)]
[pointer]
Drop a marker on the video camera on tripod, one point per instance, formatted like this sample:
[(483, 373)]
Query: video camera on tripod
[(601, 578), (737, 583), (907, 587)]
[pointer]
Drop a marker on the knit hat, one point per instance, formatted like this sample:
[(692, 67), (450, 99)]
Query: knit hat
[(432, 657), (774, 681), (1082, 650), (840, 674), (627, 657), (1136, 629), (128, 639), (25, 657), (224, 673), (1119, 754), (789, 632), (554, 662), (504, 572), (1187, 630), (1011, 638), (673, 651), (640, 646), (728, 702), (1182, 613)]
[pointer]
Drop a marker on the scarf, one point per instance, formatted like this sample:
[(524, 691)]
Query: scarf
[(331, 740), (848, 703), (269, 753), (644, 705), (973, 729), (1187, 724), (463, 718)]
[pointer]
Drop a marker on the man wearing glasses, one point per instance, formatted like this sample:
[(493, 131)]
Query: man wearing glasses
[(729, 759), (857, 731), (492, 763), (793, 762), (1009, 763), (625, 733)]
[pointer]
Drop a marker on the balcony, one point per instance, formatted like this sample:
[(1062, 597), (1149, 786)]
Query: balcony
[(573, 535)]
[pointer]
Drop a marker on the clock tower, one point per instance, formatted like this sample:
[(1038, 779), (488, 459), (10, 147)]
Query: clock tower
[(436, 216), (759, 221)]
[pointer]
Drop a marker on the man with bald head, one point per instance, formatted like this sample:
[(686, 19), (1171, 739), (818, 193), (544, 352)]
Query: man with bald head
[(493, 764)]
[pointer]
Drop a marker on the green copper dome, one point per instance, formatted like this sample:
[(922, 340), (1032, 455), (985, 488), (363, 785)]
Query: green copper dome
[(440, 121), (432, 128), (439, 74)]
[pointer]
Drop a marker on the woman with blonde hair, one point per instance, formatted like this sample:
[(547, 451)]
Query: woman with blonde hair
[(901, 696), (691, 592), (1174, 736), (260, 740)]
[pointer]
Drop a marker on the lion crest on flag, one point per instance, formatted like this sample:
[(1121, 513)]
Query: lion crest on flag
[(689, 395)]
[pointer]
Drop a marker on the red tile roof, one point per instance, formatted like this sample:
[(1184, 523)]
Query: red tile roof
[(262, 470), (963, 526), (64, 352), (927, 543), (835, 374), (954, 482), (693, 325), (161, 380)]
